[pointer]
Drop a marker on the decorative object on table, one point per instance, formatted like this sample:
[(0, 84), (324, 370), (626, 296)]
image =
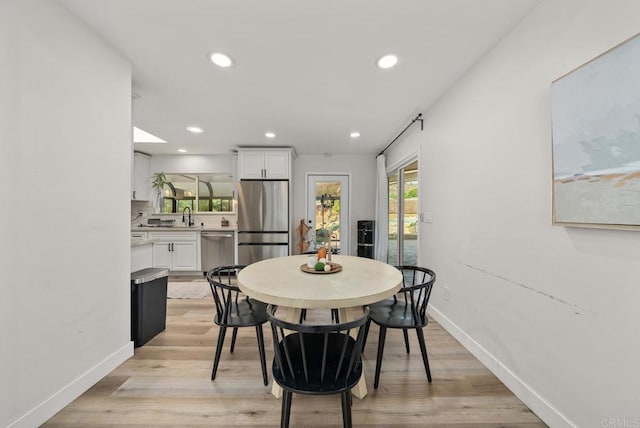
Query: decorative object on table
[(334, 267), (322, 253), (158, 180), (224, 222), (596, 155)]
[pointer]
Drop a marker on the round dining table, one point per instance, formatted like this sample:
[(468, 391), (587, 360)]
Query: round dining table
[(283, 281)]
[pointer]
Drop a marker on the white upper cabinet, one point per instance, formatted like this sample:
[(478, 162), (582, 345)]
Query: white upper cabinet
[(257, 164), (250, 164), (141, 177)]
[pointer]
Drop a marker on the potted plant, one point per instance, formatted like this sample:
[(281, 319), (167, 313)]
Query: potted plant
[(158, 180)]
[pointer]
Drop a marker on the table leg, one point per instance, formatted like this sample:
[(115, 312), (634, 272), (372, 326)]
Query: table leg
[(293, 316), (347, 314)]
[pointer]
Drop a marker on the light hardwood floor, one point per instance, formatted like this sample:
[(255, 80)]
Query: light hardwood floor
[(167, 383)]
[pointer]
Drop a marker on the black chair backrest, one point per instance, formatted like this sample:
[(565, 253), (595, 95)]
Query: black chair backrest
[(317, 358), (417, 283), (225, 294)]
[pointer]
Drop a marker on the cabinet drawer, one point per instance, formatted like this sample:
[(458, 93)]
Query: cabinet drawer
[(174, 236)]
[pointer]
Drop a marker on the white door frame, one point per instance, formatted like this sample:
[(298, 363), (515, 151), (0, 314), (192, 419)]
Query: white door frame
[(345, 214)]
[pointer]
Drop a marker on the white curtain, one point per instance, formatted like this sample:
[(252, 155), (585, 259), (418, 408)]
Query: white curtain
[(382, 211)]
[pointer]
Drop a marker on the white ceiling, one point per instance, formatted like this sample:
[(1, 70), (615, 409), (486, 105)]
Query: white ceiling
[(303, 69)]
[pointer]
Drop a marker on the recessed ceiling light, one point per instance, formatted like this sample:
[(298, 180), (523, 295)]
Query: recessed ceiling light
[(387, 61), (220, 59), (195, 129), (354, 134), (182, 150), (270, 134)]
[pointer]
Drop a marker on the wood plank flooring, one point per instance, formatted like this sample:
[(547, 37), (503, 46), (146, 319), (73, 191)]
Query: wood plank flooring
[(167, 383)]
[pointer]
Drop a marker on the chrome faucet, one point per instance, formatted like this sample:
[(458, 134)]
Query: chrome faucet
[(190, 222)]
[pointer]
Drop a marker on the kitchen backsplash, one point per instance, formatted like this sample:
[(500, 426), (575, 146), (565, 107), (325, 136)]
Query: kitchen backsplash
[(147, 210)]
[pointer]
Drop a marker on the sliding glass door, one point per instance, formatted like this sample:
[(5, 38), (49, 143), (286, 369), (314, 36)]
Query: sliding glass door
[(403, 215)]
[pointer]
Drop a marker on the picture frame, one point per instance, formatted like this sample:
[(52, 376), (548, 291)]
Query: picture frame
[(595, 112)]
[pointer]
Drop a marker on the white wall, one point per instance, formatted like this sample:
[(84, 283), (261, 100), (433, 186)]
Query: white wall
[(553, 311), (362, 170), (65, 163)]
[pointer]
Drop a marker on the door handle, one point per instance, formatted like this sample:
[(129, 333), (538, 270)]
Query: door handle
[(168, 247), (134, 194)]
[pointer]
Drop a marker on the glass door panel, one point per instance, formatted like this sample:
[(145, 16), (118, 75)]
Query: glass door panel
[(392, 256), (410, 213), (328, 210), (403, 215)]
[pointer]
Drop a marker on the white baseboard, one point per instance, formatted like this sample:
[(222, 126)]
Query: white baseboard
[(543, 409), (52, 405)]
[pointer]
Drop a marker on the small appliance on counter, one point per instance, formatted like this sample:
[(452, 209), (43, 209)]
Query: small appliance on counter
[(157, 222)]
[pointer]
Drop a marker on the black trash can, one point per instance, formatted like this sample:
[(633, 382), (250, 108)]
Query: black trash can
[(148, 304)]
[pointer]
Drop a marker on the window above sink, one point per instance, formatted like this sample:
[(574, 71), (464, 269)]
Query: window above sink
[(202, 193)]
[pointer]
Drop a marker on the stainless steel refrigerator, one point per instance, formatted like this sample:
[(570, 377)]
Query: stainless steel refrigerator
[(263, 220)]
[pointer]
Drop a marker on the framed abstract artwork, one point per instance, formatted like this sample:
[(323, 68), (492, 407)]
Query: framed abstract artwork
[(595, 112)]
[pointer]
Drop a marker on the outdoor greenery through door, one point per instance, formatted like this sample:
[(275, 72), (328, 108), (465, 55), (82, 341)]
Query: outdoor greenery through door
[(403, 215)]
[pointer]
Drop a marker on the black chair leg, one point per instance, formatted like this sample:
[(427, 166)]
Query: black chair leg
[(286, 409), (346, 409), (233, 338), (423, 349), (406, 339), (366, 333), (381, 338), (221, 332), (303, 315), (263, 360), (335, 315)]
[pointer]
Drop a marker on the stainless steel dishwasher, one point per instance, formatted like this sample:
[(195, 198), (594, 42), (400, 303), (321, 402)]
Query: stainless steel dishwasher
[(216, 249)]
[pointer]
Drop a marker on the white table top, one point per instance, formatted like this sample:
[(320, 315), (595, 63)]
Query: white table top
[(280, 281)]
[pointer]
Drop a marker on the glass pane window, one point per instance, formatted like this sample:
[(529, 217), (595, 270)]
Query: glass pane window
[(200, 193)]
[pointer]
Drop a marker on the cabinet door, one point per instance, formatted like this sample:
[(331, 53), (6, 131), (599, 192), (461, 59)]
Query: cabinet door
[(162, 254), (250, 164), (276, 164), (184, 256), (141, 185)]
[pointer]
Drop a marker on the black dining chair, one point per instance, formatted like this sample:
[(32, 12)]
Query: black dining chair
[(317, 360), (405, 310), (233, 309)]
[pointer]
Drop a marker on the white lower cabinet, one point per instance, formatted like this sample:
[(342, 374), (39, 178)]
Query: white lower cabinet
[(176, 251)]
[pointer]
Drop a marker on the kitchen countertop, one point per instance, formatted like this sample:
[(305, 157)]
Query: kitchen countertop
[(183, 229), (139, 242)]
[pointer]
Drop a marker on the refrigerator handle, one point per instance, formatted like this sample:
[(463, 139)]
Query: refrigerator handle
[(263, 208)]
